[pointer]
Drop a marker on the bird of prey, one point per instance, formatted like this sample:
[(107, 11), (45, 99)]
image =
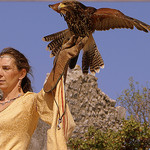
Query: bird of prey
[(83, 21)]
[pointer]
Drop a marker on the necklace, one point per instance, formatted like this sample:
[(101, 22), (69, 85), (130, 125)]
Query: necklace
[(10, 100)]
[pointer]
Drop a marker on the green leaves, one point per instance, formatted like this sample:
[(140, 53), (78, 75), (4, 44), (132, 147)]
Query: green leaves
[(132, 136)]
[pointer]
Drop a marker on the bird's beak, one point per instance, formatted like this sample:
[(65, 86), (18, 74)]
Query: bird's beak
[(55, 7), (61, 5)]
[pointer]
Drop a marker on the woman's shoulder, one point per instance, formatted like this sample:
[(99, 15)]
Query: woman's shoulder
[(31, 96), (29, 100), (28, 97)]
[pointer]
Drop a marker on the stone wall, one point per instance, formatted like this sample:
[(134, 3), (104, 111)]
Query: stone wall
[(88, 105)]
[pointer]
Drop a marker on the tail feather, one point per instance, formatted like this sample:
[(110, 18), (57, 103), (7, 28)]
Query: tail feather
[(85, 62), (97, 59), (92, 55)]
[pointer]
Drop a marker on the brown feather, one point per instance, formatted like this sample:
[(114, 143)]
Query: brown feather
[(92, 54), (120, 20), (57, 35), (85, 62), (57, 40)]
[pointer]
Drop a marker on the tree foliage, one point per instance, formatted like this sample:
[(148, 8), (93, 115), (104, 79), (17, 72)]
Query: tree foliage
[(132, 136), (136, 100)]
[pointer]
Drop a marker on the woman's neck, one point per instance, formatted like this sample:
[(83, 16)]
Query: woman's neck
[(12, 94)]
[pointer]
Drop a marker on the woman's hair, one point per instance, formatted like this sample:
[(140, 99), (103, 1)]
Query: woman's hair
[(22, 63)]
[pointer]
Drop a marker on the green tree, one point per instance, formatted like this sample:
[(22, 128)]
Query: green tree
[(136, 100), (133, 136)]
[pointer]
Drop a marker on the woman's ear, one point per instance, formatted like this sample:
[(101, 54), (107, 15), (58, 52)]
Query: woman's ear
[(23, 73)]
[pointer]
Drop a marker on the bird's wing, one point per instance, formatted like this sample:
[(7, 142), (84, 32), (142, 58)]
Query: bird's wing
[(91, 57), (57, 40), (55, 46), (56, 35), (106, 18)]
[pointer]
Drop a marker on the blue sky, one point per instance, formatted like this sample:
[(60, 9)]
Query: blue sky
[(125, 52)]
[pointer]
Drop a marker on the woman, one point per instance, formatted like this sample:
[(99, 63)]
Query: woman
[(20, 108)]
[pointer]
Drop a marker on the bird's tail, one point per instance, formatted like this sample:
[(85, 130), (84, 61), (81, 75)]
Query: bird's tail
[(91, 57)]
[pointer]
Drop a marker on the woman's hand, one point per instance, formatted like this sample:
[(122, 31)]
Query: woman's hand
[(69, 50)]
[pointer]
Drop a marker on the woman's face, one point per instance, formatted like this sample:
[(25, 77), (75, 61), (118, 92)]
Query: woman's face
[(9, 74)]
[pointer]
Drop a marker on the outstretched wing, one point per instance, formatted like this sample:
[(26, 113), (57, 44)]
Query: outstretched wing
[(56, 41), (56, 35), (106, 18)]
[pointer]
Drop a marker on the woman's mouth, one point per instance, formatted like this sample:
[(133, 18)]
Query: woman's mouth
[(2, 81)]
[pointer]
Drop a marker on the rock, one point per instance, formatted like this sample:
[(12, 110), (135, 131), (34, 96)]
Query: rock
[(121, 112), (91, 106)]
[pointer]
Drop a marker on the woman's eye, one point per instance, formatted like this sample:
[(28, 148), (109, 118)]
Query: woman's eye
[(6, 68)]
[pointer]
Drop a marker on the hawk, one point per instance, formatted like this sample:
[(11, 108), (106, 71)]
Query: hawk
[(83, 21)]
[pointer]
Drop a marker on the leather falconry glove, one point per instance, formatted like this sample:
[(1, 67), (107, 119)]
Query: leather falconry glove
[(69, 50)]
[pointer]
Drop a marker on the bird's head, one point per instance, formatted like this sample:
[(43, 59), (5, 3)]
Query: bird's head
[(62, 7), (67, 6)]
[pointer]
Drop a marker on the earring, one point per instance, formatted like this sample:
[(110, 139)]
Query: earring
[(19, 86)]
